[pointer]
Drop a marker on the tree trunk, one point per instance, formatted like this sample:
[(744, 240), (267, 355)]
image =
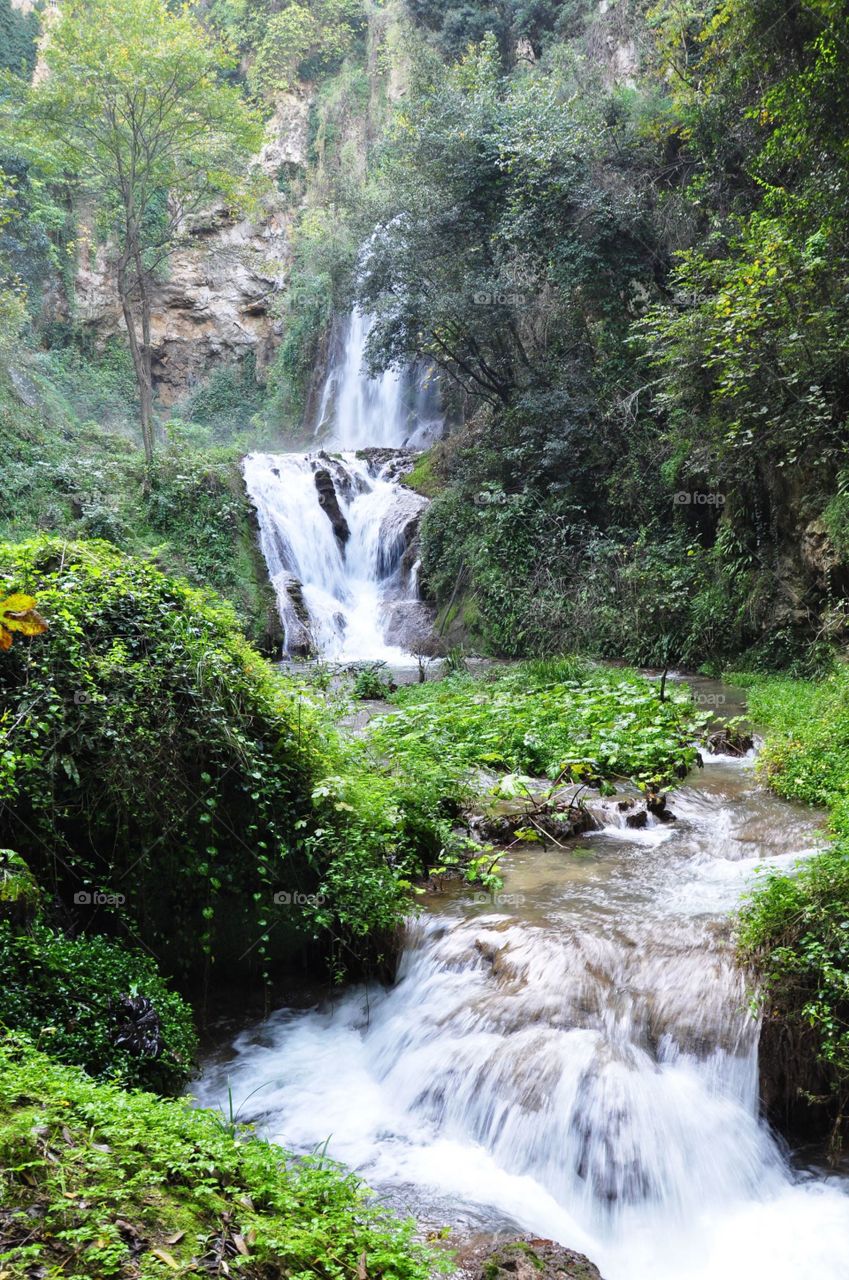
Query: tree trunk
[(140, 353)]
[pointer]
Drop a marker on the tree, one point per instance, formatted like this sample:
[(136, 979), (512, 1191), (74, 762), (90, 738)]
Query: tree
[(138, 119)]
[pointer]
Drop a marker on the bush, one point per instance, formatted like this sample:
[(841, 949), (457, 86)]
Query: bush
[(100, 1183), (153, 755), (65, 993), (156, 756)]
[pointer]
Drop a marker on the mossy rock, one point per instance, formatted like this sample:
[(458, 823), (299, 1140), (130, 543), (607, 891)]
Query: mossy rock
[(20, 896), (529, 1258)]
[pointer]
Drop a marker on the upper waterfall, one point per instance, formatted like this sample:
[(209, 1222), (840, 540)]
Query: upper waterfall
[(394, 411), (337, 525)]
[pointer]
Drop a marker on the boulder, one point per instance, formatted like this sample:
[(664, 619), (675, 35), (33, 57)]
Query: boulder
[(329, 503)]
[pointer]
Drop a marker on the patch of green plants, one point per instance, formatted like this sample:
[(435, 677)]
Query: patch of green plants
[(795, 928), (66, 994), (564, 720), (99, 1183), (369, 683)]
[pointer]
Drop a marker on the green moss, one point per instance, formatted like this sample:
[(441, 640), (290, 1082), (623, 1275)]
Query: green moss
[(423, 478), (99, 1183)]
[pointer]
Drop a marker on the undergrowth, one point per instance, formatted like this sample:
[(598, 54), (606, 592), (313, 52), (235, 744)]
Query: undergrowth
[(100, 1184), (796, 927)]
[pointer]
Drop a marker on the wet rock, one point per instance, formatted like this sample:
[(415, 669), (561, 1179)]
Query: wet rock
[(558, 824), (527, 1258), (637, 820), (296, 615), (656, 806), (396, 461), (329, 503), (139, 1030)]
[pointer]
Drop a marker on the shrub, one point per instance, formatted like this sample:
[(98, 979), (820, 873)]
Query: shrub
[(152, 753), (796, 928), (65, 993)]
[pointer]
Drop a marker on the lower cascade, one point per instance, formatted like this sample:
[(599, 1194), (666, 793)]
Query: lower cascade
[(334, 531), (575, 1056)]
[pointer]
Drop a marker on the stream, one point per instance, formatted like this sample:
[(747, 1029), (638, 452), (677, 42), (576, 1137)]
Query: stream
[(574, 1056)]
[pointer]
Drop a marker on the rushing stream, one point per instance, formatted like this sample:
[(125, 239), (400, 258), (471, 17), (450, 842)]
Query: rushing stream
[(575, 1057)]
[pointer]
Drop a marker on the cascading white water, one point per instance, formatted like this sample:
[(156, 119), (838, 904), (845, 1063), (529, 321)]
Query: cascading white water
[(342, 588), (576, 1058), (394, 411)]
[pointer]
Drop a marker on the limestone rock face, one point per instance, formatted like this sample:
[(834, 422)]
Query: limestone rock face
[(214, 302)]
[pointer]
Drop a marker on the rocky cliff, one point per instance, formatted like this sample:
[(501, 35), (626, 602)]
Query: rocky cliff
[(215, 300)]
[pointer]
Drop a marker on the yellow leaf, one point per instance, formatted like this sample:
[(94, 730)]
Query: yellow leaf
[(17, 601), (164, 1256), (29, 622)]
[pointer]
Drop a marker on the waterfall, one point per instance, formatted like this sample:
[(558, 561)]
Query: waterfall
[(397, 410), (574, 1057), (336, 525)]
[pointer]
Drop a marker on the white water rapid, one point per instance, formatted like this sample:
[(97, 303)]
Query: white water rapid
[(335, 524), (574, 1058)]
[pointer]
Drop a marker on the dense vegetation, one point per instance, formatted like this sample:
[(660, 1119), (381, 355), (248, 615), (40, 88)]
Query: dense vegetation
[(67, 993), (636, 289), (617, 235), (796, 927)]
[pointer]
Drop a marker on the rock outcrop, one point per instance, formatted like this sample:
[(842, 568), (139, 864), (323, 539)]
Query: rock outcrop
[(214, 303)]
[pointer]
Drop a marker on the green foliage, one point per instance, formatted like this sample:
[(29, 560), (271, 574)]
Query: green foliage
[(149, 752), (560, 720), (196, 500), (796, 928), (62, 991), (228, 397), (368, 683), (18, 39), (302, 41), (101, 1183)]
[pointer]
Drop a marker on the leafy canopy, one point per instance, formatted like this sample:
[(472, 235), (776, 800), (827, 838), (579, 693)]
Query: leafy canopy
[(135, 107)]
